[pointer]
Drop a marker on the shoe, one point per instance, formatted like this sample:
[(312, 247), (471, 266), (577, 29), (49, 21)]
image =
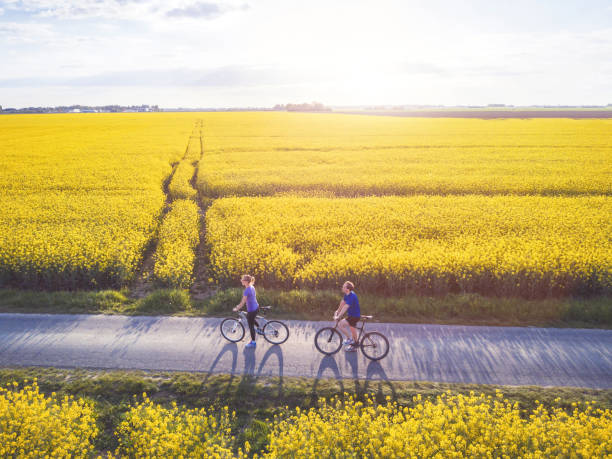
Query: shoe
[(350, 348), (348, 341), (251, 344), (259, 331)]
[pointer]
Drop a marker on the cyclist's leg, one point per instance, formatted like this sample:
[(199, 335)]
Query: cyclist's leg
[(352, 322), (344, 328), (251, 320)]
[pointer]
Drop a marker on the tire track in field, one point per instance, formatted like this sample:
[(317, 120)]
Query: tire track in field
[(201, 288), (143, 283)]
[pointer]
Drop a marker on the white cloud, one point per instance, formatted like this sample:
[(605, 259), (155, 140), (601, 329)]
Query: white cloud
[(138, 10), (205, 10), (218, 53), (18, 32)]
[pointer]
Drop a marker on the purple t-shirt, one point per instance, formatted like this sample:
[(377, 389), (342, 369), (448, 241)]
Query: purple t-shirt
[(251, 301)]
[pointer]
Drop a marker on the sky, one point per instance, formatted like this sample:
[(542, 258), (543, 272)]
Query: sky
[(258, 53)]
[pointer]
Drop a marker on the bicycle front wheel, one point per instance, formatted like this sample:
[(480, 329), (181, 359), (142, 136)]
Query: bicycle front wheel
[(232, 329), (275, 332), (328, 340), (375, 346)]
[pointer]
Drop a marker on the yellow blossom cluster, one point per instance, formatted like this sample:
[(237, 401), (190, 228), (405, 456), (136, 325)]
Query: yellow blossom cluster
[(81, 194), (506, 245), (33, 425), (351, 155), (179, 236), (450, 426), (152, 431)]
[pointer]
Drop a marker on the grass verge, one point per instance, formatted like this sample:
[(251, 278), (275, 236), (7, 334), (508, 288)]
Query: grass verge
[(465, 309), (257, 399)]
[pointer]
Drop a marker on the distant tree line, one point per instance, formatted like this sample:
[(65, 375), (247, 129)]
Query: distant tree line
[(83, 109), (305, 107)]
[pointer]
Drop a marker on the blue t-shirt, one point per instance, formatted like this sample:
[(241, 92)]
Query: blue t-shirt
[(353, 302), (251, 301)]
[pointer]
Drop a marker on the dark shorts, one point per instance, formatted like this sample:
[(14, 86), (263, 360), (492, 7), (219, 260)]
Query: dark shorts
[(352, 320)]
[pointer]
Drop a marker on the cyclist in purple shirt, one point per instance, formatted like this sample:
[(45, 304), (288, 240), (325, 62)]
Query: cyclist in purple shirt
[(250, 298), (350, 305)]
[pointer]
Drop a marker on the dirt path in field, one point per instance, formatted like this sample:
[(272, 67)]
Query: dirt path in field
[(143, 283), (440, 353), (201, 287)]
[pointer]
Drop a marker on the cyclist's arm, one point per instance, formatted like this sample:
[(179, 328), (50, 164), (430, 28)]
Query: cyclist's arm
[(341, 310), (239, 306)]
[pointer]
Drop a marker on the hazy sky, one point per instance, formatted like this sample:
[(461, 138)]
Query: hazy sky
[(263, 52)]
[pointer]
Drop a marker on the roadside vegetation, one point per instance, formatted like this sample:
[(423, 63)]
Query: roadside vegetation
[(178, 400), (465, 309)]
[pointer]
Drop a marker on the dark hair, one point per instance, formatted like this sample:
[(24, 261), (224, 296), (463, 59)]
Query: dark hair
[(350, 285)]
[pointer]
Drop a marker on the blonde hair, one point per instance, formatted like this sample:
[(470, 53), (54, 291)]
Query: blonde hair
[(248, 278), (350, 285)]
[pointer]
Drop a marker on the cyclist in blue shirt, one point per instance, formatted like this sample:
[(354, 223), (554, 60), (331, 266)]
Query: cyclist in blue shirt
[(350, 305), (250, 298)]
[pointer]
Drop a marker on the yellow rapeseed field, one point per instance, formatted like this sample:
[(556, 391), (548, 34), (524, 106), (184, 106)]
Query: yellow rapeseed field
[(352, 155), (81, 194), (152, 431), (454, 426), (33, 425), (180, 185), (451, 425), (179, 235), (506, 245)]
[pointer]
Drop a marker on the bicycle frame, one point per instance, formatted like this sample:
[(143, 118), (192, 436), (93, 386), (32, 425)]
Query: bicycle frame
[(242, 317), (363, 320), (373, 344)]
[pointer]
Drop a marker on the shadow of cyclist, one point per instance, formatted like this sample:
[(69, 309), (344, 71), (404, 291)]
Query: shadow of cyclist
[(376, 375), (232, 348), (353, 360), (276, 351), (248, 378), (327, 363)]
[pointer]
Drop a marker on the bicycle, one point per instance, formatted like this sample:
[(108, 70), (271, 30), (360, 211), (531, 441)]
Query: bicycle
[(274, 331), (374, 345)]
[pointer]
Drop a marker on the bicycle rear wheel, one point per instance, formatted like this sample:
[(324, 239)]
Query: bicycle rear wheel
[(232, 329), (275, 332), (375, 346), (328, 340)]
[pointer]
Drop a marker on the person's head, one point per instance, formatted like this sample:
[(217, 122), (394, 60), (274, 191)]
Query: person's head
[(247, 280), (348, 287)]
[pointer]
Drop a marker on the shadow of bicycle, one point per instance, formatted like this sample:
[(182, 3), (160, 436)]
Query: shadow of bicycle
[(374, 383), (252, 372)]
